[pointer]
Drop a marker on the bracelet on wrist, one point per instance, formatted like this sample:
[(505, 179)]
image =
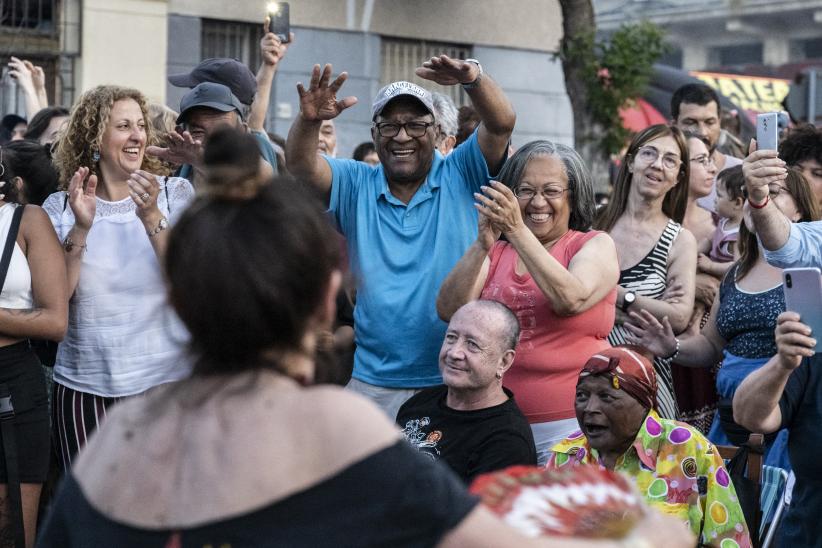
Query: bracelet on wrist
[(759, 206), (69, 245), (676, 350), (162, 225)]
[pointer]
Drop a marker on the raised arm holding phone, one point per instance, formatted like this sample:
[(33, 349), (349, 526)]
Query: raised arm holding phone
[(786, 244)]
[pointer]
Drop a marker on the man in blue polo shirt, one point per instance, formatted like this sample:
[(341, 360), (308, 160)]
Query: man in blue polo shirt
[(407, 221)]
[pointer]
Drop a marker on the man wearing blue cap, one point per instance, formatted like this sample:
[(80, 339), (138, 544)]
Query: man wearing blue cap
[(407, 221), (202, 110)]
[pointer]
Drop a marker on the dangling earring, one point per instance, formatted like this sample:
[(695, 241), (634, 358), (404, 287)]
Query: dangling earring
[(95, 155)]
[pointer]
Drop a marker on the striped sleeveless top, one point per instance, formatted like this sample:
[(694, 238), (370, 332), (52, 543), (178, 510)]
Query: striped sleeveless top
[(649, 278)]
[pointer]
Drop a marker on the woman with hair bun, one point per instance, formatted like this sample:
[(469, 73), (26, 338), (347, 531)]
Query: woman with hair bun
[(246, 452), (112, 216), (33, 305), (30, 171)]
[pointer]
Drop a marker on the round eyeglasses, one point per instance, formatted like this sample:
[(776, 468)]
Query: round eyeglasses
[(648, 155), (703, 160)]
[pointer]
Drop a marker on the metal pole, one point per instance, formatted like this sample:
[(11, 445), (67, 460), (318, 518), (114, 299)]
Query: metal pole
[(812, 96)]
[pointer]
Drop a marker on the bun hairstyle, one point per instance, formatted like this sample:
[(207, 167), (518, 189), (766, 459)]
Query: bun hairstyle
[(232, 165), (30, 161), (249, 262)]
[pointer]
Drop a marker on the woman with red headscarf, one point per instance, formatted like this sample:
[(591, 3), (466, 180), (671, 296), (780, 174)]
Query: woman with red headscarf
[(674, 466)]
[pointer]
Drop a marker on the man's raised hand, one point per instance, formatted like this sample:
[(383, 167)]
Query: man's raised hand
[(182, 149), (319, 101), (448, 72)]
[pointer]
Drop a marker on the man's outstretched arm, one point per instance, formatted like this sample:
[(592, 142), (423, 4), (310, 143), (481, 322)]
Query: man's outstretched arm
[(493, 107), (317, 103)]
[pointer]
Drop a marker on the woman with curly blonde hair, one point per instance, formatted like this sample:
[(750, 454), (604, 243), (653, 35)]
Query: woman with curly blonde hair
[(112, 216)]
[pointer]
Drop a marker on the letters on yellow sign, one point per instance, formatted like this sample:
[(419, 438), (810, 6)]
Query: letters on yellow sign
[(748, 92)]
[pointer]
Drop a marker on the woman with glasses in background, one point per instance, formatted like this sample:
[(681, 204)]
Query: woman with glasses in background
[(558, 276), (657, 257), (740, 329)]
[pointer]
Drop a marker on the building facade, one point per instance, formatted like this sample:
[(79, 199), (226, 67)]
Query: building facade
[(380, 42), (723, 35), (138, 43)]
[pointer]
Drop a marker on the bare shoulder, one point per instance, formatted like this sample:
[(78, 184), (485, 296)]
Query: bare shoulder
[(685, 242), (230, 439), (35, 223), (364, 422), (601, 242)]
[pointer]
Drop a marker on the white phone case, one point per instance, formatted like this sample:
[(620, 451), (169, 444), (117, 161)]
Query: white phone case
[(767, 131), (803, 295)]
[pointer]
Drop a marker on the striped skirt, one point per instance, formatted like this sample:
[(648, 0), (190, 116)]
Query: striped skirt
[(75, 416)]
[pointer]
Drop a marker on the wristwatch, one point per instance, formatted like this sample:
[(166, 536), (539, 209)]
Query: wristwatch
[(628, 300), (475, 84), (162, 225)]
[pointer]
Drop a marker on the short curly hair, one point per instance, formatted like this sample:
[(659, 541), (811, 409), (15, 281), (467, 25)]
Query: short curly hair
[(802, 143), (84, 132)]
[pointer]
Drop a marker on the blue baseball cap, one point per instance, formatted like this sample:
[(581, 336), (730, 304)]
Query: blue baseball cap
[(210, 95)]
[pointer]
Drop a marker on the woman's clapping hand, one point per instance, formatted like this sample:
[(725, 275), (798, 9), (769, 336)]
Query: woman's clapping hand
[(498, 203), (82, 197)]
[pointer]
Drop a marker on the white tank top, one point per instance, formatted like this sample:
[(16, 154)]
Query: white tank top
[(17, 289)]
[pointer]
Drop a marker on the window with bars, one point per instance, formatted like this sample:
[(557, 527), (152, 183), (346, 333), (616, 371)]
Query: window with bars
[(32, 15), (239, 41), (400, 57)]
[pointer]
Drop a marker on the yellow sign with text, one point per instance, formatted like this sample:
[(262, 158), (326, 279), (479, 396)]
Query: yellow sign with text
[(748, 92)]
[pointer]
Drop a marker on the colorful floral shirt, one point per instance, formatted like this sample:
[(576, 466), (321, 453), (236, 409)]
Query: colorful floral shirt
[(680, 474)]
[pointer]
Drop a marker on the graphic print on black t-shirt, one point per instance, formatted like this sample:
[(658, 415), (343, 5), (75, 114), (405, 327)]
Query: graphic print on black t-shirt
[(469, 442), (425, 442)]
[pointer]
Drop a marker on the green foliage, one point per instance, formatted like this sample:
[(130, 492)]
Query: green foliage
[(615, 72)]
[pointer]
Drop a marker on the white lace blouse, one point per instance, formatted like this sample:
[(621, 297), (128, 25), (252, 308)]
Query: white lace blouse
[(123, 338)]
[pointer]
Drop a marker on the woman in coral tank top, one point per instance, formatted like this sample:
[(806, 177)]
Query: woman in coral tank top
[(555, 274)]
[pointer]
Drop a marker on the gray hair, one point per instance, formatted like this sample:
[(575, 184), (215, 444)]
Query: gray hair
[(508, 320), (580, 183), (445, 113)]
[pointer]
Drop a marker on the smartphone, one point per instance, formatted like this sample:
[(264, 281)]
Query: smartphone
[(279, 20), (767, 131), (803, 295)]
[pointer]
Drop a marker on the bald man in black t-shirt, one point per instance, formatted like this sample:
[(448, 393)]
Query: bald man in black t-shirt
[(472, 422)]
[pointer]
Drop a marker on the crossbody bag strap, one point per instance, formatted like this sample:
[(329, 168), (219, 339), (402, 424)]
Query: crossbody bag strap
[(10, 240)]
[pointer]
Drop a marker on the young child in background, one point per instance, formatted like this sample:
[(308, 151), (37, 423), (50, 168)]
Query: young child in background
[(717, 256)]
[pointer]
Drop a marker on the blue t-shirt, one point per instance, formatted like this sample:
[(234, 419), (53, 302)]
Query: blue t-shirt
[(401, 254)]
